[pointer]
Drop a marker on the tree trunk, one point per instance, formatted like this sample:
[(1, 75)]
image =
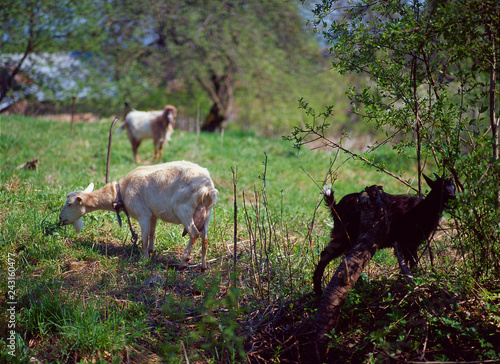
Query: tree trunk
[(214, 119), (8, 76), (220, 89), (373, 230)]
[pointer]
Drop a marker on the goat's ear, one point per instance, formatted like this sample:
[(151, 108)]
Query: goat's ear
[(428, 180), (79, 200), (89, 188), (437, 177)]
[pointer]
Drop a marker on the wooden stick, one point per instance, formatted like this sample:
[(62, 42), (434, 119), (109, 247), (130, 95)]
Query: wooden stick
[(109, 147)]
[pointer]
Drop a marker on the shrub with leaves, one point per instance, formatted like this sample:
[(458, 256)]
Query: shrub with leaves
[(433, 68)]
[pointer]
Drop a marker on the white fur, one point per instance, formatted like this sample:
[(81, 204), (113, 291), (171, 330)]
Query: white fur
[(176, 192), (140, 122)]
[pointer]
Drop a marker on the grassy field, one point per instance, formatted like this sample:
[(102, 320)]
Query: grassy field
[(92, 298)]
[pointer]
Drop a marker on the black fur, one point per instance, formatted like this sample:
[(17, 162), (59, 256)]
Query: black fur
[(412, 220)]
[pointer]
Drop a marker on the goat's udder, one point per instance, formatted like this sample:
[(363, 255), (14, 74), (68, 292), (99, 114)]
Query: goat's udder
[(200, 216)]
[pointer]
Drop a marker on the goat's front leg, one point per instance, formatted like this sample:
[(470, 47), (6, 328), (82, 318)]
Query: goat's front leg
[(145, 223), (411, 256), (136, 154), (158, 149), (402, 260), (152, 231), (158, 154)]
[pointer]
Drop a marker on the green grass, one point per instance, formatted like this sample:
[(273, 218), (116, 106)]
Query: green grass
[(92, 297)]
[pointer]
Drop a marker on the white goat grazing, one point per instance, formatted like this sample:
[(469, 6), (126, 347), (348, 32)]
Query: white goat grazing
[(176, 192), (157, 125)]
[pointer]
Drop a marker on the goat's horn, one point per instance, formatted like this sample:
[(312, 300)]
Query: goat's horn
[(90, 188), (437, 177)]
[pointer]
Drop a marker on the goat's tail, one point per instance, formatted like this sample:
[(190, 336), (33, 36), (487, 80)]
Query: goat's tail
[(121, 128), (127, 109), (328, 196), (209, 197), (205, 200)]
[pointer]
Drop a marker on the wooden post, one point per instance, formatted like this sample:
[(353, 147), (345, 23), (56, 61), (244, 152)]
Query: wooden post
[(72, 114), (235, 229), (109, 147)]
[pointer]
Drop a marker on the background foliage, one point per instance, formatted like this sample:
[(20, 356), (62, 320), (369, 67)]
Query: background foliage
[(246, 62), (433, 71)]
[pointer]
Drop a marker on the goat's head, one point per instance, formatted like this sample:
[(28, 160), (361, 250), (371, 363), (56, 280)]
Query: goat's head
[(169, 115), (74, 209), (444, 186)]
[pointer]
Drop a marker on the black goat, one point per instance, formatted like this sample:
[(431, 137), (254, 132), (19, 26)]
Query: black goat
[(412, 220)]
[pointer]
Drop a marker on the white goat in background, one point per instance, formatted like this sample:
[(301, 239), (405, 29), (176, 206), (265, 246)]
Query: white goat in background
[(157, 125), (176, 192)]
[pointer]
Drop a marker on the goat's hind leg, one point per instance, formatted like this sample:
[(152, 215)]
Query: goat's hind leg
[(198, 223), (204, 245), (202, 219), (193, 237), (135, 145), (334, 249)]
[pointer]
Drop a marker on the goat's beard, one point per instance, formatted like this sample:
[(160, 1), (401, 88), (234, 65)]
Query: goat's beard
[(78, 225)]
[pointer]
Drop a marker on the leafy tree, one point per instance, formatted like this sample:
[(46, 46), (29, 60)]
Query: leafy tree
[(251, 59), (40, 26), (433, 68), (222, 44)]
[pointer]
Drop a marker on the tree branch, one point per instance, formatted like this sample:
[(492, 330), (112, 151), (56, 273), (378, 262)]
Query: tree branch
[(332, 144)]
